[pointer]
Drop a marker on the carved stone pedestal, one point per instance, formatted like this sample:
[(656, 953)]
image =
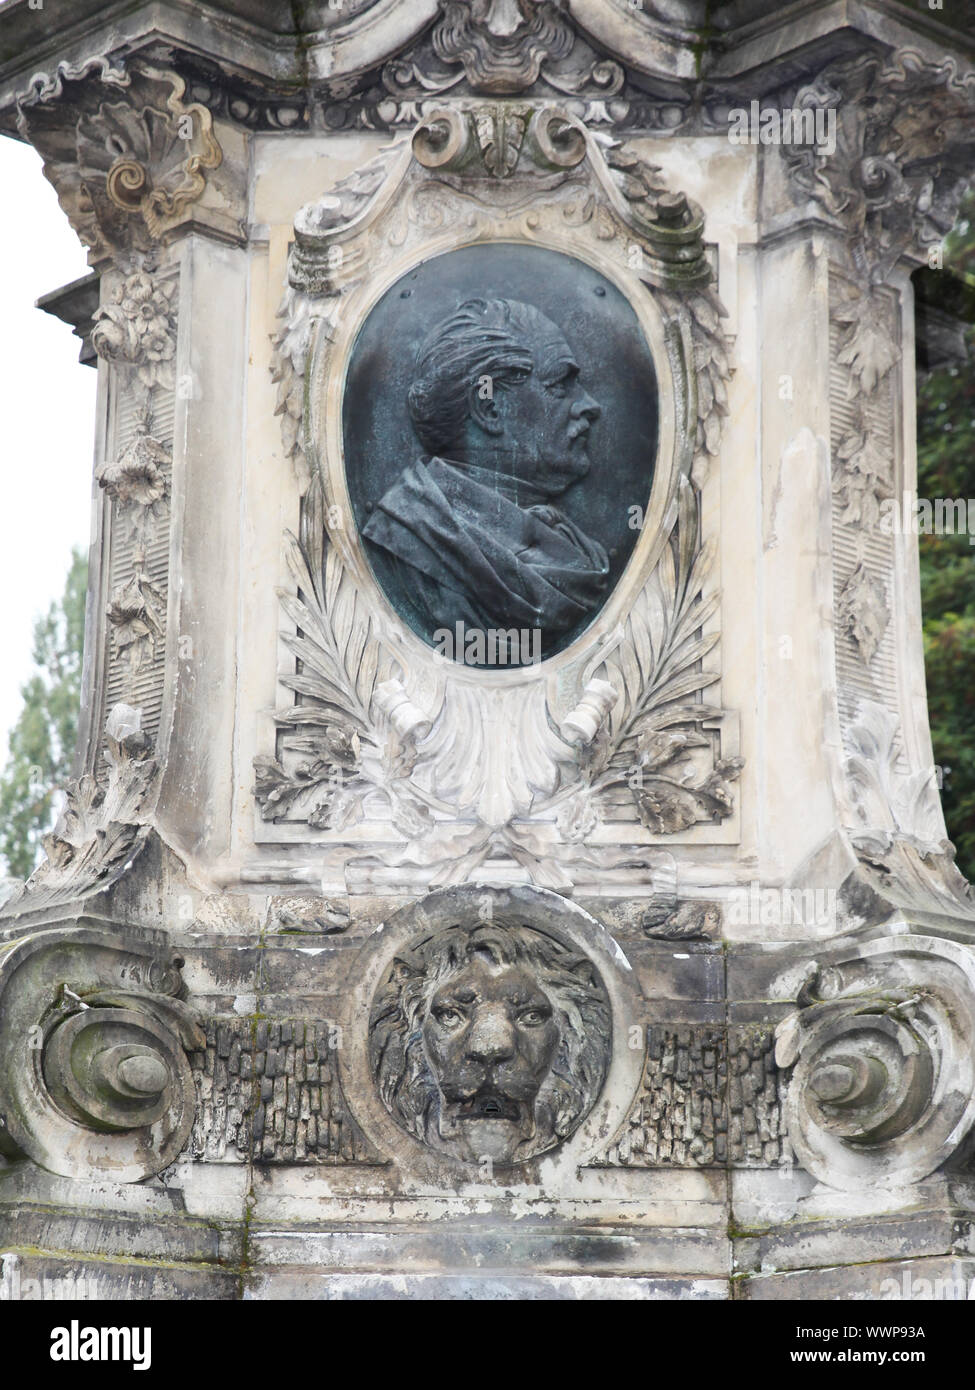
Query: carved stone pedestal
[(505, 859)]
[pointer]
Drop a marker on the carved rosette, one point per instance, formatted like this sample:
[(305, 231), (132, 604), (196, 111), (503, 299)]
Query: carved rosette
[(882, 1089), (378, 721), (94, 1080)]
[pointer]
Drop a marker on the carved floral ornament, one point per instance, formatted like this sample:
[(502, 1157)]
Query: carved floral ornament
[(902, 158), (137, 481), (501, 47), (457, 765), (102, 826), (137, 328), (126, 155)]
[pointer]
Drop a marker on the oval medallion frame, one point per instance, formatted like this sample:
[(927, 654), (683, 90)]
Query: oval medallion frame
[(585, 445), (327, 377)]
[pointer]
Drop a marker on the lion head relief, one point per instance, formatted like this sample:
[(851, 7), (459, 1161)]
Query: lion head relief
[(490, 1040)]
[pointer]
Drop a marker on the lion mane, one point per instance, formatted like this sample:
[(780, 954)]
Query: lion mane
[(406, 1081)]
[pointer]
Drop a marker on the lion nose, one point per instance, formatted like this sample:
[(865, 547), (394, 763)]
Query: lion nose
[(491, 1038)]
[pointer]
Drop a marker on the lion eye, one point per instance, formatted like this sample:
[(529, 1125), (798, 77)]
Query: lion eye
[(449, 1018), (533, 1017)]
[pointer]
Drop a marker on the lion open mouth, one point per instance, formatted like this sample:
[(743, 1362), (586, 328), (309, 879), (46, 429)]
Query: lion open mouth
[(489, 1104)]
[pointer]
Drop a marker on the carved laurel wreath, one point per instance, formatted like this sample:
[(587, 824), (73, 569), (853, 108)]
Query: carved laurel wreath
[(640, 742)]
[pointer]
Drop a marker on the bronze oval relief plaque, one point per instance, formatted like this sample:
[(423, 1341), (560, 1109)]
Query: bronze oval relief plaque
[(500, 427)]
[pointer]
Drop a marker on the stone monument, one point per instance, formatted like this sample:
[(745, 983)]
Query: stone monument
[(505, 857)]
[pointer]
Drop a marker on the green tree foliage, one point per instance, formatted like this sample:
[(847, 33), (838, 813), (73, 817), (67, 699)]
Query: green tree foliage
[(42, 741), (946, 468)]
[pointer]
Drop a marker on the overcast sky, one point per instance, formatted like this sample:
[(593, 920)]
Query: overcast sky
[(47, 400)]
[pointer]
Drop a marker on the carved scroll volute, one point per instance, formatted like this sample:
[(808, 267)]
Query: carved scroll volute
[(127, 155), (94, 1078), (883, 1074)]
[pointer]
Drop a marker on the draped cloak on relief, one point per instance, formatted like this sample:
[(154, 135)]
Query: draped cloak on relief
[(465, 552)]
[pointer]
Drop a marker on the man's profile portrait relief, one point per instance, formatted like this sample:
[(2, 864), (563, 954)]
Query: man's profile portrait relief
[(490, 1040), (494, 444), (499, 408)]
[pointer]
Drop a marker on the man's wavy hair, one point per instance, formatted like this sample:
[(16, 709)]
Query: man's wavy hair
[(407, 1084), (483, 338)]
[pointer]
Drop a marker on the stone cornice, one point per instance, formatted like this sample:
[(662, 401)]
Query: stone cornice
[(665, 43)]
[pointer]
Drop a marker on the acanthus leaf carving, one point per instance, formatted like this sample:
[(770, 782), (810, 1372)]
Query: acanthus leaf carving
[(126, 167), (137, 613), (862, 478), (103, 825), (866, 345), (864, 611), (886, 798), (501, 48), (897, 831), (899, 168), (670, 920)]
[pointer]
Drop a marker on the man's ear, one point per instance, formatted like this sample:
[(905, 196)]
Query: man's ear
[(483, 408)]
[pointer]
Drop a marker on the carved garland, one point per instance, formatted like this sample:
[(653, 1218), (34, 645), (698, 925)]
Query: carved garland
[(638, 731), (894, 182)]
